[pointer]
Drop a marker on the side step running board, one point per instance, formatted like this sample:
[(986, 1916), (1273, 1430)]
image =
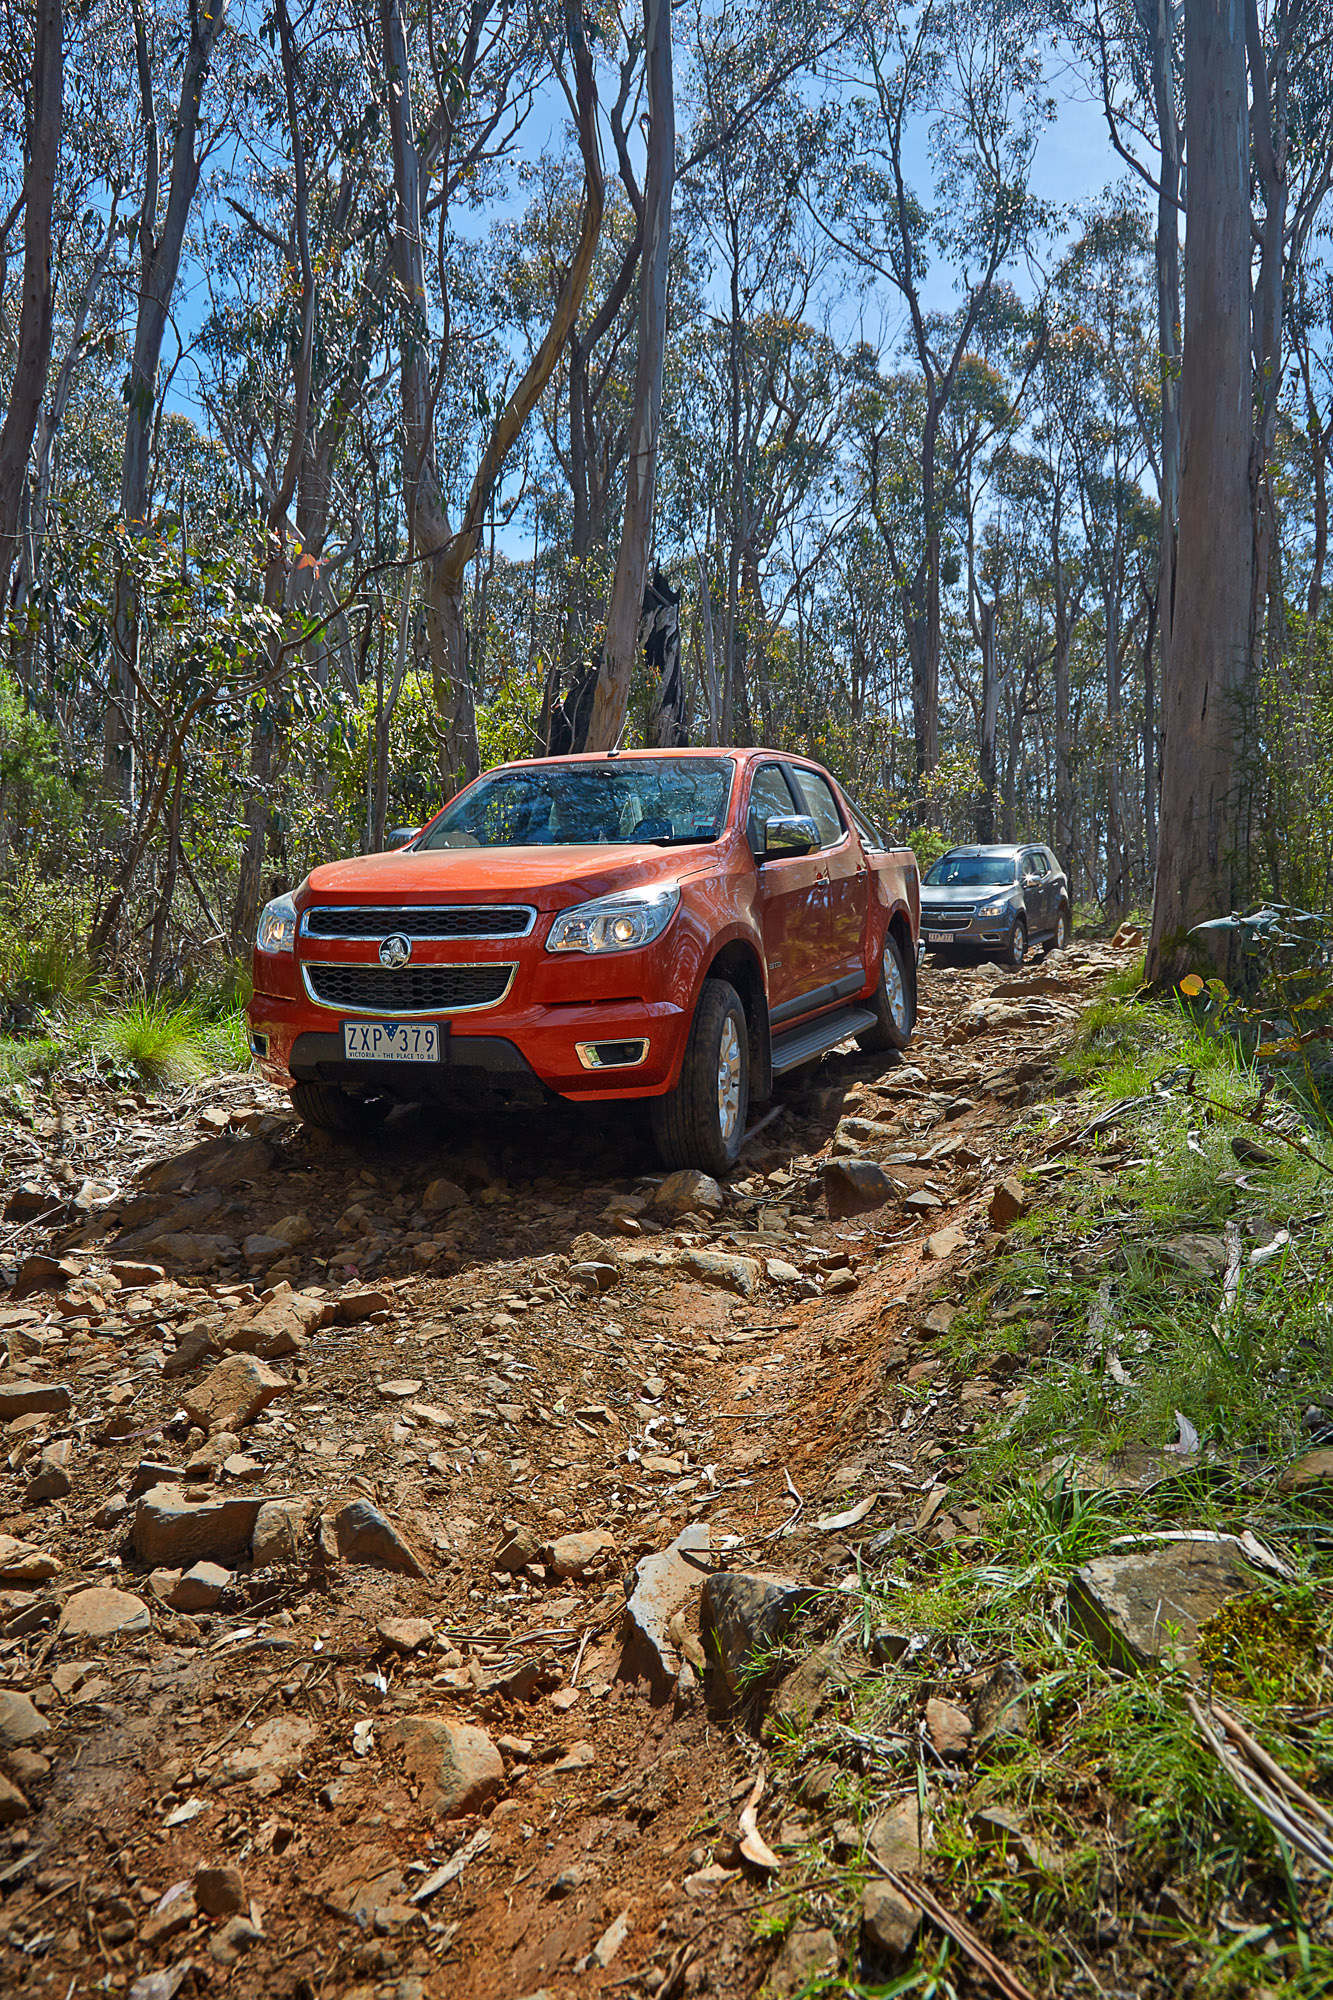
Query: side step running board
[(802, 1044)]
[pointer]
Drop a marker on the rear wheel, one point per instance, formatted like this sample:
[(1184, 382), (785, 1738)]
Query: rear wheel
[(329, 1108), (701, 1123), (1061, 937), (895, 1011), (1017, 948)]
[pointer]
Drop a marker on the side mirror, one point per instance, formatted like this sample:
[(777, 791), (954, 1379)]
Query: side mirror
[(794, 833), (399, 837)]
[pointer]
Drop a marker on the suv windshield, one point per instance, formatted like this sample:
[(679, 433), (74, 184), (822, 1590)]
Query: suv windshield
[(971, 871), (618, 803)]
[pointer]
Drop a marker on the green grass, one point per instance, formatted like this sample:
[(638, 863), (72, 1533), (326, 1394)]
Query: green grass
[(1112, 1783), (158, 1043)]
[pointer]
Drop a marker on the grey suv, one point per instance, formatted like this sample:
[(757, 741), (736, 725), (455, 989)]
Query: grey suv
[(997, 900)]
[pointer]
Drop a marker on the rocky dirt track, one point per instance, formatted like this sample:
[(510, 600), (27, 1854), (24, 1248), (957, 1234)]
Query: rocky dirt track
[(329, 1471)]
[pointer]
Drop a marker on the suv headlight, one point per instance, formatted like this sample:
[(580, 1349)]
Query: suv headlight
[(615, 923), (277, 925), (996, 907)]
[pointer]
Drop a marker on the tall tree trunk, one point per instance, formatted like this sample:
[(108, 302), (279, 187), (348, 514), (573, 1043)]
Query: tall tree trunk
[(37, 311), (159, 263), (444, 552), (1195, 868), (1157, 19), (627, 592), (990, 715), (1060, 639)]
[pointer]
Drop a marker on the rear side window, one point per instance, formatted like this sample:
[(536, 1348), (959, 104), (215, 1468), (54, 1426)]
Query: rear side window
[(821, 806), (770, 798)]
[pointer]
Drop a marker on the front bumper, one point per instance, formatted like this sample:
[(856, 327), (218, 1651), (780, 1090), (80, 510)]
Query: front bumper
[(507, 1047), (951, 929)]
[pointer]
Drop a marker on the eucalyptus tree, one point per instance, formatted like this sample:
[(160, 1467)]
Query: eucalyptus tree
[(973, 78), (1197, 847), (40, 124), (456, 86)]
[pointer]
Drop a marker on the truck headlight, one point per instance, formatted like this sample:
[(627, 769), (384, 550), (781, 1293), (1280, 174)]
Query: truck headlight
[(277, 925), (995, 908), (616, 923)]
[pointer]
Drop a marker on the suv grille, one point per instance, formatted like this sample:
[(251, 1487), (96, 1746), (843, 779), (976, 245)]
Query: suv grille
[(950, 917), (449, 920), (417, 989)]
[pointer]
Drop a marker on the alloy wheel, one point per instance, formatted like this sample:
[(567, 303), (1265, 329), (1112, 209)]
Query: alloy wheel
[(728, 1078), (895, 991)]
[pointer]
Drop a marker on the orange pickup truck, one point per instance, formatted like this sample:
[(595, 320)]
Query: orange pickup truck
[(682, 926)]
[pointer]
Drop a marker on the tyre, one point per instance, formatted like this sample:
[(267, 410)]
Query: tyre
[(893, 1002), (1061, 938), (1017, 949), (329, 1108), (701, 1123)]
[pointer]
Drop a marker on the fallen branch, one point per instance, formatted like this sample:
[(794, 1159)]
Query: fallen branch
[(1289, 1810), (963, 1935)]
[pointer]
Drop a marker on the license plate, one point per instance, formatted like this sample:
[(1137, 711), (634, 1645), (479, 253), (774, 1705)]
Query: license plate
[(391, 1041), (939, 937)]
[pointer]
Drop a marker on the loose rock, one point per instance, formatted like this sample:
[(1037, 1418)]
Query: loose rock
[(364, 1535), (219, 1892), (200, 1587), (234, 1394), (20, 1722), (1007, 1203), (172, 1531), (665, 1582), (689, 1192), (456, 1764), (101, 1613), (742, 1611), (570, 1555), (889, 1922), (854, 1187), (1139, 1606)]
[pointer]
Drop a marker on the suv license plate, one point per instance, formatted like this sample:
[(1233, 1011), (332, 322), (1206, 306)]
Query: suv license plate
[(391, 1041), (939, 937)]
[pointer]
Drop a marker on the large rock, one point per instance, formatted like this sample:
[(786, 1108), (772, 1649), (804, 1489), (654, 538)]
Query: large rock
[(21, 1396), (20, 1722), (806, 1956), (364, 1535), (218, 1163), (102, 1613), (279, 1532), (854, 1187), (664, 1583), (25, 1563), (269, 1755), (173, 1532), (570, 1555), (191, 1249), (441, 1196), (456, 1764), (889, 1923), (51, 1481), (898, 1836), (1314, 1470), (1007, 1203), (281, 1325), (689, 1192), (1145, 1605), (743, 1612), (718, 1267), (234, 1393)]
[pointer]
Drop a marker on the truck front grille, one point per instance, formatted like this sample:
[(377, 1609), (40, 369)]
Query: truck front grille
[(416, 989), (421, 920)]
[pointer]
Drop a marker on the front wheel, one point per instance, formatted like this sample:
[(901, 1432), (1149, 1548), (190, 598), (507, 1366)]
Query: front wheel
[(1061, 938), (1017, 949), (331, 1109), (892, 1001), (701, 1123)]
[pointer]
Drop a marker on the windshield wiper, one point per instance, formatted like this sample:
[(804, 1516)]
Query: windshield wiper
[(680, 840)]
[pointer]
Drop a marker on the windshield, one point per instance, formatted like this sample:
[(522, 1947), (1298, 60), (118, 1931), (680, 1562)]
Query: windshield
[(628, 800), (971, 871)]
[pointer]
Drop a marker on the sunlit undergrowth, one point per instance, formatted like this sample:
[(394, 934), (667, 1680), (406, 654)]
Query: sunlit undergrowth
[(157, 1043)]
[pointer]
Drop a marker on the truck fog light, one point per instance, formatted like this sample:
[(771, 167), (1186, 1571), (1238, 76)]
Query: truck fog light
[(612, 1055)]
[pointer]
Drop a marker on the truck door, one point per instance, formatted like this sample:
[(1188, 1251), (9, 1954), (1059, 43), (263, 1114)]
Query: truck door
[(787, 888), (847, 877)]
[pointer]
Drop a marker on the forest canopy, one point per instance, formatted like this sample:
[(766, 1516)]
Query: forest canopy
[(391, 390)]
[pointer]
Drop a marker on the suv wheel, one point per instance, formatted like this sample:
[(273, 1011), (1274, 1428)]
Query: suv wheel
[(701, 1123), (1061, 937), (893, 1003), (1017, 949), (331, 1109)]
